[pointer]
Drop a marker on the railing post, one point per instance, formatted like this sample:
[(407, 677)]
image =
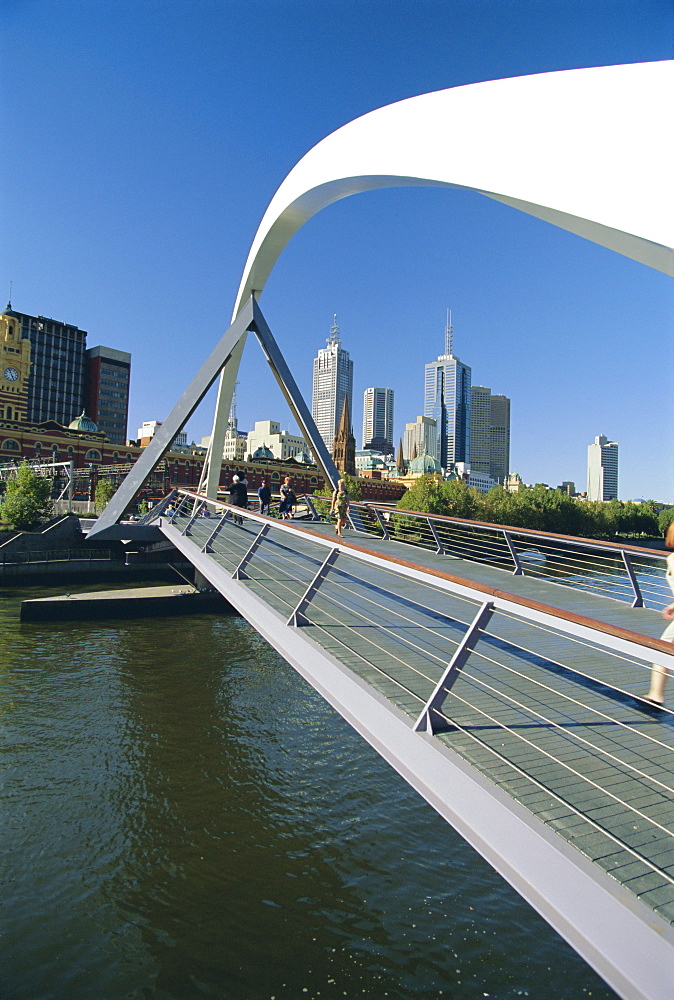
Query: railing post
[(239, 573), (310, 505), (195, 515), (297, 618), (518, 571), (382, 525), (425, 721), (638, 601), (436, 537), (206, 547)]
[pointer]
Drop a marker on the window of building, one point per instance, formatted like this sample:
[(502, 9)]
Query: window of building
[(10, 445), (70, 452), (93, 456)]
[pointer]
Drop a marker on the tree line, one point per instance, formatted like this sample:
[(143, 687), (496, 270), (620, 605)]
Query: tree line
[(538, 508)]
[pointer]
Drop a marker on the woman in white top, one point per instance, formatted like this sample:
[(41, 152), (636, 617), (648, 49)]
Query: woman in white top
[(656, 694)]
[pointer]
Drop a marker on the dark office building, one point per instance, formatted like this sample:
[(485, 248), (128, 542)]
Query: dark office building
[(56, 380), (107, 391)]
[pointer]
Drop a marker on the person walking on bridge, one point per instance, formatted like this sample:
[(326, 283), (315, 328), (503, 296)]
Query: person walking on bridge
[(340, 507), (238, 497), (656, 693), (264, 493)]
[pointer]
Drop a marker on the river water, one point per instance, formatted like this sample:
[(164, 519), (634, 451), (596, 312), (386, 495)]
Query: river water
[(183, 817)]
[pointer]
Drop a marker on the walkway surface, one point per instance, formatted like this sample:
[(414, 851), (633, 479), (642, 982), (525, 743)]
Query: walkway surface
[(550, 719)]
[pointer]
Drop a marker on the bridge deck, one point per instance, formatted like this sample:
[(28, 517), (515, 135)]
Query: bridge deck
[(548, 718)]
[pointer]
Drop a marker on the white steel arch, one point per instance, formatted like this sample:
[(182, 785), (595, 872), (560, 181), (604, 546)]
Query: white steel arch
[(589, 150)]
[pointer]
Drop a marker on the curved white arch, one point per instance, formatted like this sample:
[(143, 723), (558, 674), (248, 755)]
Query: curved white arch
[(589, 150)]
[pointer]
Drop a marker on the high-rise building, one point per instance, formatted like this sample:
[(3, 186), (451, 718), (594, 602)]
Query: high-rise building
[(480, 428), (489, 433), (57, 372), (602, 469), (499, 434), (447, 400), (66, 380), (378, 420), (421, 438), (107, 391), (333, 380)]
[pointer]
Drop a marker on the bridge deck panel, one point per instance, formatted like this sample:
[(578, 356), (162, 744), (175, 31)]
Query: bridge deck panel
[(545, 717)]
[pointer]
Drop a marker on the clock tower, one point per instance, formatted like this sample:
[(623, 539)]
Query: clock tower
[(14, 367)]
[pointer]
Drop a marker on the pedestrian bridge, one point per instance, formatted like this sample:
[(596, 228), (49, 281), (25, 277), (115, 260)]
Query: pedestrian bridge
[(499, 671)]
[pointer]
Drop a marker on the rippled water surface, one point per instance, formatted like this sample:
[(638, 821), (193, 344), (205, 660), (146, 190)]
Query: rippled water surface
[(182, 816)]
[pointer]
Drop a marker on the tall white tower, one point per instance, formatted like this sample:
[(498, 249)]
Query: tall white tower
[(333, 380), (378, 420), (602, 469)]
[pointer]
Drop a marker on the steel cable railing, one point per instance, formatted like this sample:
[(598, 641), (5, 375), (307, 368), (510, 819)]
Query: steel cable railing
[(623, 572)]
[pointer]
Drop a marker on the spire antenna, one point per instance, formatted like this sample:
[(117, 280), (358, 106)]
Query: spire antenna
[(449, 335), (334, 339)]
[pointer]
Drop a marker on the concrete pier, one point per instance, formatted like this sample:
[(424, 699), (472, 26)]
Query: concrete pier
[(138, 602)]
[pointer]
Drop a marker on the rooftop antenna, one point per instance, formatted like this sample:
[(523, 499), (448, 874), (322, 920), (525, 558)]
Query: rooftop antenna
[(333, 339), (9, 300), (448, 335)]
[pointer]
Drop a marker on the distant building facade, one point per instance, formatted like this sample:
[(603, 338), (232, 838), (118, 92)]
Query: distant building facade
[(150, 428), (378, 420), (602, 469), (332, 382), (447, 400), (421, 438), (268, 434), (489, 433), (66, 379), (108, 374)]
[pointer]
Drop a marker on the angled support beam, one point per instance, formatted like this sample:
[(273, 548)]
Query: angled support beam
[(425, 721), (383, 525), (176, 419)]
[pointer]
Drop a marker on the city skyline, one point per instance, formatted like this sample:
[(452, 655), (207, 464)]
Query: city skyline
[(572, 332)]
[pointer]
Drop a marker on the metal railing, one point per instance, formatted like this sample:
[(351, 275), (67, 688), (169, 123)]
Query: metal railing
[(625, 573), (55, 555)]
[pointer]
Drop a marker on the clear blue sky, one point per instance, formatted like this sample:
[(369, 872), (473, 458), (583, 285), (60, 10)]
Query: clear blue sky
[(143, 141)]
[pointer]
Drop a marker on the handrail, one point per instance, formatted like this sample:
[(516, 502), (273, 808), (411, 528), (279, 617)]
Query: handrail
[(468, 539), (533, 532), (625, 640)]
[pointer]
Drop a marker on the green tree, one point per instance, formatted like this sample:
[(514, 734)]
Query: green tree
[(27, 499), (665, 518), (105, 491)]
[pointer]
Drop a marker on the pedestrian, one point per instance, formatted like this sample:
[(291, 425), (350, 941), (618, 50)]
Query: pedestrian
[(340, 507), (238, 497), (264, 494), (288, 499), (656, 693)]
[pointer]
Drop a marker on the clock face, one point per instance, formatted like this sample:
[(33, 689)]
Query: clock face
[(11, 374)]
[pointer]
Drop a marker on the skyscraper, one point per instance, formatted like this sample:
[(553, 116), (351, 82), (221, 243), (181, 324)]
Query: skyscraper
[(447, 400), (333, 380), (499, 445), (57, 371), (489, 433), (602, 469), (378, 420), (107, 391)]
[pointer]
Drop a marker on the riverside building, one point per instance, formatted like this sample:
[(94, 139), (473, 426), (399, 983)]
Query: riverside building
[(65, 378)]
